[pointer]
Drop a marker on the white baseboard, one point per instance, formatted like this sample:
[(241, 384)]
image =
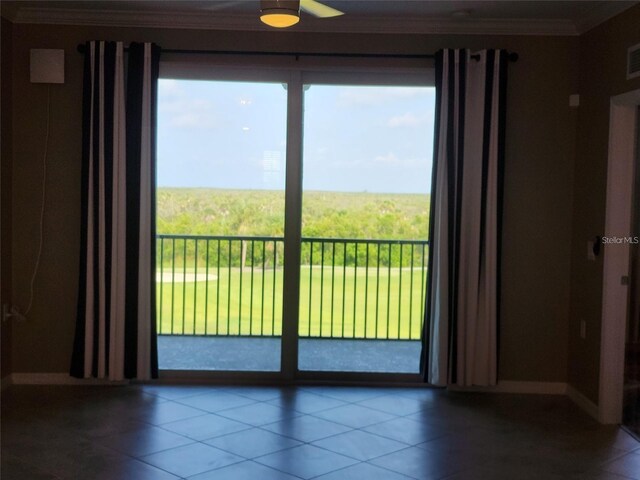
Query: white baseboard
[(540, 388), (59, 379), (583, 402), (509, 386), (543, 388)]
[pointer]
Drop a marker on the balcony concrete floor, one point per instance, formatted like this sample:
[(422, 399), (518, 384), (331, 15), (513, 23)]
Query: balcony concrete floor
[(176, 352)]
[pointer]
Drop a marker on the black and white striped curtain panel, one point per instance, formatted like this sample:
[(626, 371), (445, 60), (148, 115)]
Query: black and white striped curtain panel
[(115, 331), (463, 305)]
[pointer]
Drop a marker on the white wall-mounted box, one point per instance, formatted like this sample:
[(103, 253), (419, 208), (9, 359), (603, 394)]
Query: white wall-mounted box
[(47, 65)]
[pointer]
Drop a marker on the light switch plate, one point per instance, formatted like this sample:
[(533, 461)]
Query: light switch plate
[(574, 100)]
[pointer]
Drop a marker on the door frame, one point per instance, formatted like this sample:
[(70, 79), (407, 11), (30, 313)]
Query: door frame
[(293, 73), (620, 179)]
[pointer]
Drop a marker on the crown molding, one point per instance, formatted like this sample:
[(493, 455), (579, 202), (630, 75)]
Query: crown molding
[(345, 24), (600, 13)]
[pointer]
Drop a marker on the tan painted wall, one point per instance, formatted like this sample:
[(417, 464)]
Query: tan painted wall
[(602, 75), (538, 189), (5, 191)]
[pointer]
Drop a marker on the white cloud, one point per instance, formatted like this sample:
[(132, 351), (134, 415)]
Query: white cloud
[(389, 159), (169, 87), (187, 120), (183, 105), (407, 120), (415, 162), (188, 113), (181, 108)]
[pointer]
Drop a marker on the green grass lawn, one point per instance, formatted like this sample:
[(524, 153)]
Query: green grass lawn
[(349, 302), (343, 302)]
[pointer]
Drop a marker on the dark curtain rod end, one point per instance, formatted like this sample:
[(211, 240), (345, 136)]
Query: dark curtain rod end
[(513, 57), (82, 48)]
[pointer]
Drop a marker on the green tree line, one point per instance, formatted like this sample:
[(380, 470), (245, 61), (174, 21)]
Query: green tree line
[(200, 211)]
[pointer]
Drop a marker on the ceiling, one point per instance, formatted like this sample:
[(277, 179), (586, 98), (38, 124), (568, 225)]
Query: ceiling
[(385, 16)]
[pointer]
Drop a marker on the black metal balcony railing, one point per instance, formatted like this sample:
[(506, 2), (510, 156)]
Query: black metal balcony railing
[(349, 288)]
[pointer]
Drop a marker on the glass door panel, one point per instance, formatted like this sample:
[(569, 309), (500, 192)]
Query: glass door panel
[(367, 155), (220, 223)]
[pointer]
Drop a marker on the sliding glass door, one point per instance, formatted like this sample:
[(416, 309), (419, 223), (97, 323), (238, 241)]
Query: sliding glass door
[(220, 223), (365, 220), (293, 216)]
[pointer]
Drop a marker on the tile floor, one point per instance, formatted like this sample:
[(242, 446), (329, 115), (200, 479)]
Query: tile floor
[(328, 433)]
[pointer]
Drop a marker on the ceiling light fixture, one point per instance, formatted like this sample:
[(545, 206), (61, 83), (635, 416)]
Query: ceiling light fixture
[(280, 13), (285, 13)]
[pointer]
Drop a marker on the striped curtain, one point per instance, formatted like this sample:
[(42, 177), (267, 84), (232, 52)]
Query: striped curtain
[(115, 334), (461, 337)]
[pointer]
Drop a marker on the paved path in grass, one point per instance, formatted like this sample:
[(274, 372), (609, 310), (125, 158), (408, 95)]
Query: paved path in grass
[(182, 277)]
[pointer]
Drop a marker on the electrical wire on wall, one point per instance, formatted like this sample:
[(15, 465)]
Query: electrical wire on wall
[(36, 266)]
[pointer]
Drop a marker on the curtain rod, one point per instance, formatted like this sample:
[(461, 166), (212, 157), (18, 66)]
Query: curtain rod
[(513, 56)]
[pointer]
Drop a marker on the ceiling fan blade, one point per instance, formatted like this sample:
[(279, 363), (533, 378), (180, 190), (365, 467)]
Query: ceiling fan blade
[(319, 9)]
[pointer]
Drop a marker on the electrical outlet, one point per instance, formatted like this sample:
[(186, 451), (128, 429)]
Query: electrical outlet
[(9, 312), (583, 328)]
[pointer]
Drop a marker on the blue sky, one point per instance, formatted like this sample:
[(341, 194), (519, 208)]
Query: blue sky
[(233, 135)]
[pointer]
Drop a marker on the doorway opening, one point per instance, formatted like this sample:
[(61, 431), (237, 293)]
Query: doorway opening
[(616, 308), (631, 398)]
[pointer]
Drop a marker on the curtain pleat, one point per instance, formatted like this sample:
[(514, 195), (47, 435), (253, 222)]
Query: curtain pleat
[(462, 307), (140, 349), (117, 227)]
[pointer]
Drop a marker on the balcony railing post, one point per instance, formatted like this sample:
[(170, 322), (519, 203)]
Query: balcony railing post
[(400, 293), (195, 284), (310, 285), (411, 292), (333, 278), (321, 284), (389, 295), (206, 286), (273, 300), (423, 287), (366, 287), (184, 285), (251, 294), (377, 289), (264, 274), (355, 289), (173, 281), (344, 284), (229, 288), (160, 304), (218, 290)]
